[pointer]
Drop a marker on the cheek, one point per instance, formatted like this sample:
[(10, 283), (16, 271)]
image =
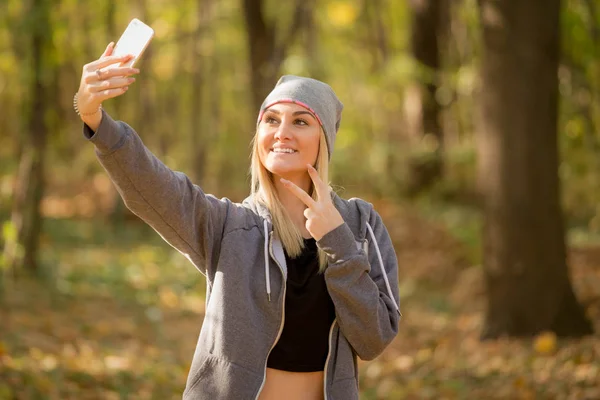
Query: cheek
[(312, 145), (263, 144)]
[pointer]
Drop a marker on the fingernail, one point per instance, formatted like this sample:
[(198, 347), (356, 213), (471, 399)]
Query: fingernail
[(131, 80), (136, 71)]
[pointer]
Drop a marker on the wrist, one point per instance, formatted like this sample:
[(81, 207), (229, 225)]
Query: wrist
[(84, 113), (93, 121), (339, 244), (90, 118)]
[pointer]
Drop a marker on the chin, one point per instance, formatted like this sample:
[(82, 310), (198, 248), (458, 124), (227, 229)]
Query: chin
[(284, 170)]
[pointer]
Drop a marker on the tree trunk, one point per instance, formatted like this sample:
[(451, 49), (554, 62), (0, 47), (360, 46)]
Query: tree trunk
[(200, 112), (22, 251), (315, 64), (527, 280), (379, 43), (429, 22), (261, 43), (266, 55)]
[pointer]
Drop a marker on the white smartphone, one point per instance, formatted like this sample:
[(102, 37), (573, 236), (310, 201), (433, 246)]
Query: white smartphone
[(134, 40)]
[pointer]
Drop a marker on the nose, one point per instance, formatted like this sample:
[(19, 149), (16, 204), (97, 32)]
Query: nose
[(283, 132)]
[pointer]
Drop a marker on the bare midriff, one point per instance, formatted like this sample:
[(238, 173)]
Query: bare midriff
[(292, 385)]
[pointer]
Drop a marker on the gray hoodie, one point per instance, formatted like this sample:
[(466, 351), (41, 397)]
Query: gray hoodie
[(235, 247)]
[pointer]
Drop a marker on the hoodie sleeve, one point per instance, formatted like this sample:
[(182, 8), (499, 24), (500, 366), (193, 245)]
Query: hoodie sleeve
[(184, 216), (368, 316)]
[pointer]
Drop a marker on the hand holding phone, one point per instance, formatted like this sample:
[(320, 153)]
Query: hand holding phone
[(110, 75), (134, 40)]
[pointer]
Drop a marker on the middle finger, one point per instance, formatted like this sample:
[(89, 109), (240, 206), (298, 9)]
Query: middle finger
[(317, 182), (110, 84), (110, 60), (118, 72)]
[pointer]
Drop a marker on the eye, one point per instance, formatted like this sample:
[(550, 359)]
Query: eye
[(300, 121), (270, 120)]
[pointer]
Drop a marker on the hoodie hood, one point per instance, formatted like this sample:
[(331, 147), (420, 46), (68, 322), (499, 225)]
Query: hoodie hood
[(348, 211)]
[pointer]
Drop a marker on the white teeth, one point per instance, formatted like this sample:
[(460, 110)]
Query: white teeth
[(283, 151)]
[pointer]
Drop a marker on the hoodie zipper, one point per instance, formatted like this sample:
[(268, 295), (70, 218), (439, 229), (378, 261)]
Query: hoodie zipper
[(282, 318), (327, 360)]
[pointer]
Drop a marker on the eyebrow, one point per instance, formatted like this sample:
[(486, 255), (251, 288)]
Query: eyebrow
[(294, 114)]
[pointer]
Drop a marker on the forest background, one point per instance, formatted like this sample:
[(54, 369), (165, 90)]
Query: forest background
[(471, 125)]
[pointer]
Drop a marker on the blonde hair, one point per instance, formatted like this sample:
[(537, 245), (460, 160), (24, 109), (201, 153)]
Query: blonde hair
[(263, 191)]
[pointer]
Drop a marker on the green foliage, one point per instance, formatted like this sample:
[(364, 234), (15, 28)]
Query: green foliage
[(118, 313), (360, 48), (580, 114)]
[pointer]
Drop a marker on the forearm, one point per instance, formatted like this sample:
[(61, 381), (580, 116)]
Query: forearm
[(366, 310), (365, 313)]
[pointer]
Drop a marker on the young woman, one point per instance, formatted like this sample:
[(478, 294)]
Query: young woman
[(299, 281)]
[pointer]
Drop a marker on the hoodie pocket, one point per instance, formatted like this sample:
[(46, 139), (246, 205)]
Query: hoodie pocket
[(217, 378)]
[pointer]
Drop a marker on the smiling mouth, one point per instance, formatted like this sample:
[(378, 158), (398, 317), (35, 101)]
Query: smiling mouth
[(283, 151)]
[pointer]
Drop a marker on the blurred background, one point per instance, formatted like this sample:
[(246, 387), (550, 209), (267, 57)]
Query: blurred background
[(472, 126)]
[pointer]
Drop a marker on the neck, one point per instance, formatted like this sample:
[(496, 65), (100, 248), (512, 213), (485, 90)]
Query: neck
[(292, 204)]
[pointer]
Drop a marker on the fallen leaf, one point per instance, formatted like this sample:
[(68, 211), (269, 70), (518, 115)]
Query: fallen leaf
[(545, 343)]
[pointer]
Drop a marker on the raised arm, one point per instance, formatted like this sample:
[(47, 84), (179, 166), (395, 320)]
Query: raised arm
[(187, 218)]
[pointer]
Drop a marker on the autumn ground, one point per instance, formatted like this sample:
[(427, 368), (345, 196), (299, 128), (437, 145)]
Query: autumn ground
[(117, 313)]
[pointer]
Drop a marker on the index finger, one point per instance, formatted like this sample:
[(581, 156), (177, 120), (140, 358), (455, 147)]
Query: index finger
[(106, 61), (299, 193), (108, 50)]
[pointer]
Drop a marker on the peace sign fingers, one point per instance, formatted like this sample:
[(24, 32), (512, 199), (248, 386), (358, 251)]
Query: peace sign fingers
[(299, 193), (321, 215), (320, 186)]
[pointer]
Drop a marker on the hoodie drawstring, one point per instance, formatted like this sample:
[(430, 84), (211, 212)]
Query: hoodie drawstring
[(387, 282), (267, 276)]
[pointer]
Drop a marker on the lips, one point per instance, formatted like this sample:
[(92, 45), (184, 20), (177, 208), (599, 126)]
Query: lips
[(283, 150)]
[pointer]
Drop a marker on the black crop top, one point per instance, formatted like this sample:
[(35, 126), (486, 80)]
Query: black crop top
[(309, 313)]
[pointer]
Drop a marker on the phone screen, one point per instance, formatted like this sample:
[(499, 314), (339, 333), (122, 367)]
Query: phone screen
[(134, 40)]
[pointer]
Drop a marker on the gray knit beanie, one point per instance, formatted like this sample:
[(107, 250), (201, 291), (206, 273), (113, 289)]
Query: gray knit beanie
[(314, 95)]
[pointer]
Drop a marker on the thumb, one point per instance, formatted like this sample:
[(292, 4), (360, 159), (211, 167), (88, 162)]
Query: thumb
[(109, 49)]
